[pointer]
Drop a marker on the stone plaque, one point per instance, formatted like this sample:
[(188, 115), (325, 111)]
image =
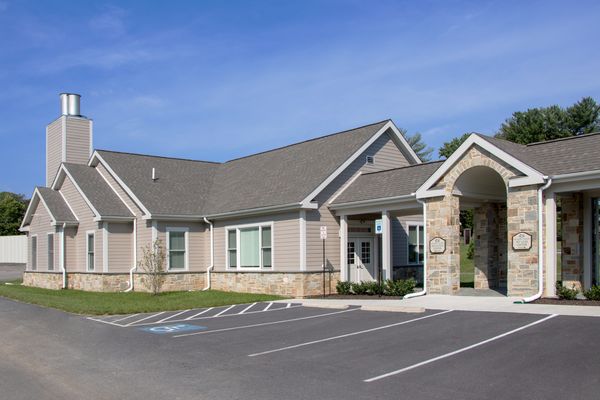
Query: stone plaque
[(437, 245), (521, 241)]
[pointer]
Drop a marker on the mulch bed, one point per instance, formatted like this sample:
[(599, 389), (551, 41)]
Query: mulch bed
[(568, 302), (356, 297)]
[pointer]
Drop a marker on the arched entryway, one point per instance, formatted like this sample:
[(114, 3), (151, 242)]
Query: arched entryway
[(482, 194)]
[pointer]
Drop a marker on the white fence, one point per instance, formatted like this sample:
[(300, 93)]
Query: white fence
[(13, 249)]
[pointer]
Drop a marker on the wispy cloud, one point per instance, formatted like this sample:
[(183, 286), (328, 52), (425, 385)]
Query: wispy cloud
[(111, 22)]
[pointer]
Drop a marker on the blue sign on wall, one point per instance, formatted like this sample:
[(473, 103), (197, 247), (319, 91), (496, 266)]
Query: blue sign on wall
[(379, 226), (175, 328)]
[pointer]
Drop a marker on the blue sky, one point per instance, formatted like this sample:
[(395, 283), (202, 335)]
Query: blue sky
[(215, 80)]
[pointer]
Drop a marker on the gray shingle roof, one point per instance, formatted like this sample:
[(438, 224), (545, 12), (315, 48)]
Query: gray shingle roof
[(56, 205), (277, 177), (181, 187), (389, 183), (556, 157), (95, 188), (285, 175)]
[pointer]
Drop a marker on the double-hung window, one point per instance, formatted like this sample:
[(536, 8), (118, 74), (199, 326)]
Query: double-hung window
[(50, 251), (90, 251), (415, 244), (250, 247), (177, 249)]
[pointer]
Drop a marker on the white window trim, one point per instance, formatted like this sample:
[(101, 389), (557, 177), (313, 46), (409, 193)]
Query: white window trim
[(237, 228), (53, 252), (87, 250), (408, 226), (37, 256), (186, 237)]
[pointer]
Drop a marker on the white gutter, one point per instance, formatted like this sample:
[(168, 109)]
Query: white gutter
[(426, 251), (62, 256), (212, 254), (380, 201), (540, 245), (130, 288), (575, 176)]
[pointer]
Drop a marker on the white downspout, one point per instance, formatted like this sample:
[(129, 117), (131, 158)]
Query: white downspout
[(426, 250), (130, 288), (540, 245), (62, 257), (212, 254)]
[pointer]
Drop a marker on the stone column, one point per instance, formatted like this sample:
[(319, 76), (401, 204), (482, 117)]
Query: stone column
[(522, 216), (572, 240), (443, 220), (550, 258)]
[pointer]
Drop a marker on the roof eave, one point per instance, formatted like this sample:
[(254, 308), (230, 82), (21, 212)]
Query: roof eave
[(374, 202)]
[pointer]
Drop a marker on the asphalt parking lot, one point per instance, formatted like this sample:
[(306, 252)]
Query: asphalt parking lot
[(286, 351)]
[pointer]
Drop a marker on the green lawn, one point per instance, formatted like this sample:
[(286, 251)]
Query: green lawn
[(96, 303), (467, 268)]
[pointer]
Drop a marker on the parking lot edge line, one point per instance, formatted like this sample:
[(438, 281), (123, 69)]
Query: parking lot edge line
[(266, 323), (461, 350), (220, 316), (224, 311), (200, 313), (173, 316), (295, 346), (143, 319), (105, 322), (247, 308), (268, 306)]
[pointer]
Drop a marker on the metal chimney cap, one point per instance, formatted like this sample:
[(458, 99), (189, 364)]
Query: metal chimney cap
[(70, 104)]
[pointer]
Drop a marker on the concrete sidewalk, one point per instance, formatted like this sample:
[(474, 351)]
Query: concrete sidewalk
[(464, 303)]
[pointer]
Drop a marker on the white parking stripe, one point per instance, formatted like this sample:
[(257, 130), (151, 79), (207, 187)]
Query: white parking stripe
[(268, 306), (172, 316), (346, 335), (266, 323), (104, 322), (200, 313), (224, 311), (247, 308), (288, 305), (431, 360), (143, 319), (124, 318)]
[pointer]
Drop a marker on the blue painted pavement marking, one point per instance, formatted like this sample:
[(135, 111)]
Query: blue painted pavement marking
[(175, 328)]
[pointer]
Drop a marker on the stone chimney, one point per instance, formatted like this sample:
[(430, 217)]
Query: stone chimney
[(68, 138)]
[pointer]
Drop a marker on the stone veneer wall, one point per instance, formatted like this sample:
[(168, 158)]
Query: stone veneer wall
[(572, 239), (293, 284), (443, 220), (522, 209), (282, 283), (489, 232)]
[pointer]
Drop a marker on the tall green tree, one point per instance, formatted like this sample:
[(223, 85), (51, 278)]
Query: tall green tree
[(418, 145), (12, 211), (450, 147), (554, 122)]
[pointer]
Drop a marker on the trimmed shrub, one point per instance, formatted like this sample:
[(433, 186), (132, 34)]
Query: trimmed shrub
[(471, 250), (592, 293), (343, 287), (565, 293), (359, 288), (373, 288), (399, 287)]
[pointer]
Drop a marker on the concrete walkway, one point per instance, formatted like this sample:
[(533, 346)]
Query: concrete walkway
[(464, 303)]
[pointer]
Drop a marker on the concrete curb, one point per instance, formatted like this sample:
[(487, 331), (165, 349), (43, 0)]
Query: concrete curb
[(326, 305), (404, 309)]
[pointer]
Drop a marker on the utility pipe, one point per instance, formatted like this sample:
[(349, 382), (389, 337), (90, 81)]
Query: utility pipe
[(212, 254), (62, 256), (426, 251), (130, 288), (540, 245)]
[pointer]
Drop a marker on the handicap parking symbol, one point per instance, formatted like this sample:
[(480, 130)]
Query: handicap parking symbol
[(176, 328)]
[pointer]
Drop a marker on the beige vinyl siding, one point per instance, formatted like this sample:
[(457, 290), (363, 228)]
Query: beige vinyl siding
[(144, 227), (386, 156), (86, 223), (53, 149), (120, 247), (71, 249), (78, 140), (196, 246), (285, 240), (41, 225)]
